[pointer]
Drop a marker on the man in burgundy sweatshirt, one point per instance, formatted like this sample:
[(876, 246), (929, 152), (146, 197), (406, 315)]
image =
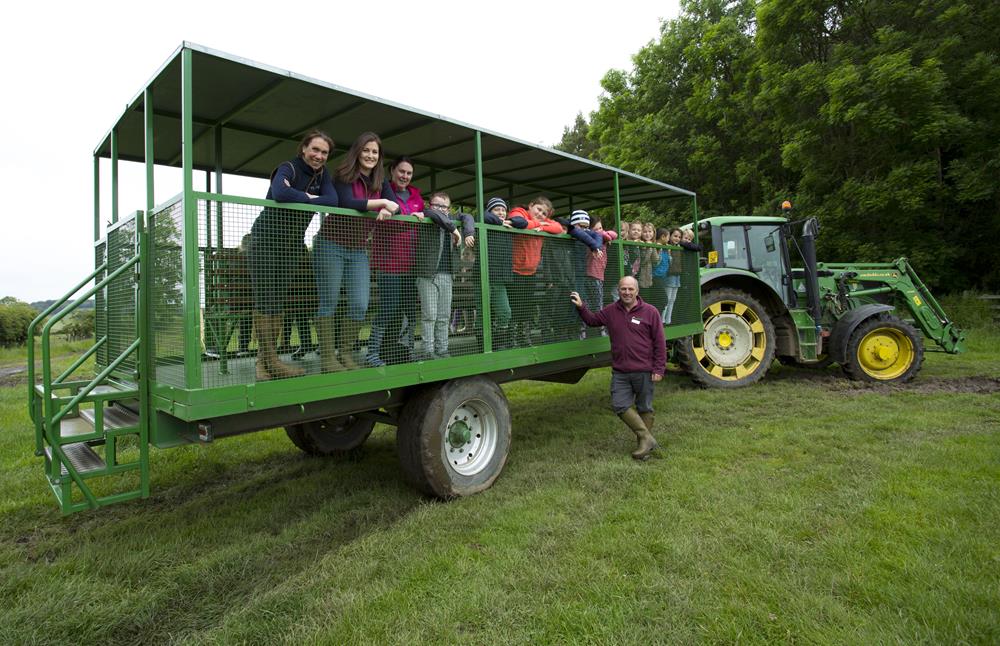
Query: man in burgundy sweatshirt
[(638, 358)]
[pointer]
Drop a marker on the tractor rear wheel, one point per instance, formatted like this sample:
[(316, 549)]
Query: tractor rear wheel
[(885, 349), (332, 435), (737, 345), (453, 438)]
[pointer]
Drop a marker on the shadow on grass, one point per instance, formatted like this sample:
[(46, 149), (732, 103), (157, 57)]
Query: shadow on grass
[(235, 521)]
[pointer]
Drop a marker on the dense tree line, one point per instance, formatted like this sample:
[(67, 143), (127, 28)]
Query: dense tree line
[(15, 317), (879, 117)]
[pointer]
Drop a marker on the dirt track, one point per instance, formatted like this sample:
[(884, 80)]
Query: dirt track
[(978, 384)]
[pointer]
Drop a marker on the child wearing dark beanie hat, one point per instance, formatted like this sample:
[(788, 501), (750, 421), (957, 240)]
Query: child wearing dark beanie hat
[(495, 202)]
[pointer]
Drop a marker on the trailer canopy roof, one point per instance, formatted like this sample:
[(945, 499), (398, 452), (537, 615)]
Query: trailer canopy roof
[(261, 112)]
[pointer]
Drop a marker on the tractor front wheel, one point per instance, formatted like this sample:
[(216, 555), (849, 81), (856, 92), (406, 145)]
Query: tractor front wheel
[(737, 345), (884, 348)]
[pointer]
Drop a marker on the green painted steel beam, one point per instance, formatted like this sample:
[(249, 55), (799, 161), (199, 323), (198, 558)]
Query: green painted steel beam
[(621, 238), (97, 198), (484, 257), (251, 101), (114, 175), (445, 146), (149, 151), (192, 305)]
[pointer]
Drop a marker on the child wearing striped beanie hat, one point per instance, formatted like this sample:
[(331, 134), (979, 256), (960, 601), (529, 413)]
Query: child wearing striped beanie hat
[(493, 203), (580, 218)]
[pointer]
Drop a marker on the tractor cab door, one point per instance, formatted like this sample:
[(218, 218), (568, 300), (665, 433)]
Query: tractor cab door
[(756, 248)]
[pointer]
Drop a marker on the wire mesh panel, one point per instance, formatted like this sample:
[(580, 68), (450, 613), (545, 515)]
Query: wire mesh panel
[(286, 292), (115, 305), (685, 305), (123, 296), (166, 296), (668, 280), (101, 305)]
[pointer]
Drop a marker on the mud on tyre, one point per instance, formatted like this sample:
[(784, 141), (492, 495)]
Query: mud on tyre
[(454, 437)]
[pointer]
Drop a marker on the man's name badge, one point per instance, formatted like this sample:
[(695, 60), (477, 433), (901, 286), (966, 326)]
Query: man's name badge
[(636, 321)]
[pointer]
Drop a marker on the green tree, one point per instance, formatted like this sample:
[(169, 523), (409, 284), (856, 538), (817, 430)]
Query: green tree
[(79, 325), (575, 140), (877, 116), (887, 112), (15, 317)]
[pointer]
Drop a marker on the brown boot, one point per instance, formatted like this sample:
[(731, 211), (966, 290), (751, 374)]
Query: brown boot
[(327, 346), (268, 364), (348, 339), (647, 443)]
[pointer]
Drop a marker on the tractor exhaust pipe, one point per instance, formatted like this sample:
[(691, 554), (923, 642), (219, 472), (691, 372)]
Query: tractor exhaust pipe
[(810, 229)]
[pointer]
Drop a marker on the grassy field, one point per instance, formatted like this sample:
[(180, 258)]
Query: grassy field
[(804, 509)]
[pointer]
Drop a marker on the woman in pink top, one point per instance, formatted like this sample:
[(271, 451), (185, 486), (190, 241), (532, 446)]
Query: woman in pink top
[(393, 246)]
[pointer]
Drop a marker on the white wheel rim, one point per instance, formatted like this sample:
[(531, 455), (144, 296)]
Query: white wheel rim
[(470, 437), (728, 340)]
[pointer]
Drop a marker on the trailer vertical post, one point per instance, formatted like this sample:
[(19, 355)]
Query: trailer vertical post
[(618, 217), (97, 197), (484, 259), (192, 305), (114, 174)]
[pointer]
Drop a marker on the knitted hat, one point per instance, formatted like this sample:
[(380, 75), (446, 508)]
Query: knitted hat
[(579, 217), (495, 202)]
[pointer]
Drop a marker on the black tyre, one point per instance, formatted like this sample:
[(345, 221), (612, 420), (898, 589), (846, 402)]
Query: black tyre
[(884, 348), (453, 438), (737, 346), (332, 435)]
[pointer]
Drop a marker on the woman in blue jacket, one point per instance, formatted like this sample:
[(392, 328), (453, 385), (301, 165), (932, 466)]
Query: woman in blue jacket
[(275, 239)]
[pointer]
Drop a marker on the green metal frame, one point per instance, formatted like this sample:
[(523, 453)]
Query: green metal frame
[(59, 399)]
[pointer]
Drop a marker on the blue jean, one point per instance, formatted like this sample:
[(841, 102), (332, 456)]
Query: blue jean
[(335, 266), (397, 297)]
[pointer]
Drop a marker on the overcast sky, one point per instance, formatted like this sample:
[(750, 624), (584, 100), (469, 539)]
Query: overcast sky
[(69, 69)]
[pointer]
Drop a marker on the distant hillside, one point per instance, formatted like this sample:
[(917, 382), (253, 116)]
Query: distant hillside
[(41, 305)]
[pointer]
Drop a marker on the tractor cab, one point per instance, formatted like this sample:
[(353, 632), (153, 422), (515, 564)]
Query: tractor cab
[(754, 245)]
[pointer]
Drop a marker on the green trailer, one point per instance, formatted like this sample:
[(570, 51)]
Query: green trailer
[(173, 356), (870, 318)]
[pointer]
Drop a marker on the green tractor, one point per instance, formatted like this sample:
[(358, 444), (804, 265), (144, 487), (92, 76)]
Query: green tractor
[(870, 318)]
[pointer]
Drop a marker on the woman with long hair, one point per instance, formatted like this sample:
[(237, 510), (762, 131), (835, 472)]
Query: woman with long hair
[(340, 253)]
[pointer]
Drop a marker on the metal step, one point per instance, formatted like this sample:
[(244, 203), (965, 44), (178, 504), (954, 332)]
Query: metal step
[(82, 457), (114, 417), (72, 426), (103, 389)]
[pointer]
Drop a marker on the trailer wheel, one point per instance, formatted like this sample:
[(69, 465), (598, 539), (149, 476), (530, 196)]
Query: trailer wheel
[(884, 348), (332, 435), (453, 438), (737, 345)]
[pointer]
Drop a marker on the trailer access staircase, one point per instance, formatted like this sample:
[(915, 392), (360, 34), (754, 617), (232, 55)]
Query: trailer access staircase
[(94, 433)]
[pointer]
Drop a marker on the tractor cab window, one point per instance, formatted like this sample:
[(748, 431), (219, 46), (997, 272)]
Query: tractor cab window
[(756, 249), (734, 248)]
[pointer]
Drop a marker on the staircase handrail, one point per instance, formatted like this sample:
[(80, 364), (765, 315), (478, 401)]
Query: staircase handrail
[(46, 334)]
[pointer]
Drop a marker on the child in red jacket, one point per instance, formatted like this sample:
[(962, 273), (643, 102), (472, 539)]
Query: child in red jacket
[(526, 254)]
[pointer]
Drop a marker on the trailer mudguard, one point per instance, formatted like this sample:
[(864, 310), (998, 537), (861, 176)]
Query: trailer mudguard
[(845, 327)]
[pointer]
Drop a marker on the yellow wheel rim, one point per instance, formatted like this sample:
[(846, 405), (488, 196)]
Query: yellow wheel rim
[(733, 344), (885, 353)]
